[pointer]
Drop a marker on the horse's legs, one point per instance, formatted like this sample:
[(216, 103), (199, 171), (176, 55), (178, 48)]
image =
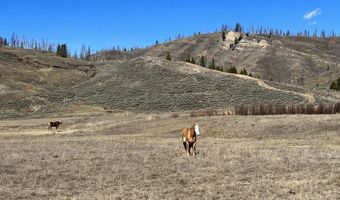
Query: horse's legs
[(194, 149), (187, 149)]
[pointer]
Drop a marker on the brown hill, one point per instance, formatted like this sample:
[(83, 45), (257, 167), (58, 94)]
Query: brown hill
[(295, 60), (35, 84)]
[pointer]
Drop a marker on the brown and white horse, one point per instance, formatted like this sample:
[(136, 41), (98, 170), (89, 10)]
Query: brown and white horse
[(189, 138), (55, 124)]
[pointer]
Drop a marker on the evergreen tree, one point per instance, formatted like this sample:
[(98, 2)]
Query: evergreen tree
[(1, 41), (5, 42), (238, 27), (62, 50), (188, 59), (193, 60), (338, 82), (334, 86), (202, 61), (223, 36), (232, 70), (250, 74), (244, 72), (219, 68), (58, 49), (212, 64)]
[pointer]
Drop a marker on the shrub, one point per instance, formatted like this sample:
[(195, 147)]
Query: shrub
[(268, 109), (335, 85), (244, 72), (232, 70), (174, 115), (168, 56)]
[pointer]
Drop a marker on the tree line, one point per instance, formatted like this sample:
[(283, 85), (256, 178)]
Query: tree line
[(259, 30), (44, 46)]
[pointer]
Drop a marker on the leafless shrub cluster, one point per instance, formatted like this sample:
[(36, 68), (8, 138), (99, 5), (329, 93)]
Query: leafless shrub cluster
[(270, 109), (206, 112)]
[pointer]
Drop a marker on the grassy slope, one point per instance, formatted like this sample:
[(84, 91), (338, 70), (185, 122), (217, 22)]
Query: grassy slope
[(32, 81), (37, 84), (152, 84)]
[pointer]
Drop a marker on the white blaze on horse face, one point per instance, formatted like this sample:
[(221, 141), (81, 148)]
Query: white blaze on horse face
[(197, 129)]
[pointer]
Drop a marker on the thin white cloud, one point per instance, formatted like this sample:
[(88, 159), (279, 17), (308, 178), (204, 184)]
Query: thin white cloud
[(312, 14)]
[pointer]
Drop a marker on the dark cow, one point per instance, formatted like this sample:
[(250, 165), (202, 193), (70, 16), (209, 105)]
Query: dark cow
[(55, 124), (189, 138)]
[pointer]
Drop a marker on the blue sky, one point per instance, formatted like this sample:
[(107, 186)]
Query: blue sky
[(104, 23)]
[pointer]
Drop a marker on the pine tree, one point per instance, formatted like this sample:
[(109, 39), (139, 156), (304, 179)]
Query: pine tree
[(212, 64), (62, 50), (338, 82), (219, 68), (238, 27), (58, 50), (188, 59), (1, 41), (244, 72), (193, 60), (232, 70), (334, 86), (202, 61), (223, 36)]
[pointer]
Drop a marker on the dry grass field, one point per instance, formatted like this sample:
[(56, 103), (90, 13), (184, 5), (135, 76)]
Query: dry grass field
[(128, 156)]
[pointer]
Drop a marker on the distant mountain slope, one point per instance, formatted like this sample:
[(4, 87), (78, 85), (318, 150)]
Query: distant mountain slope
[(301, 61)]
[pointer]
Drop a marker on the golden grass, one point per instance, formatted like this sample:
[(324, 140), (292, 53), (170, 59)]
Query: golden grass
[(133, 157)]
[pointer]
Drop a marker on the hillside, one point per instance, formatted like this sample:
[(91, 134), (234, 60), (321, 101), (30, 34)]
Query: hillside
[(35, 84), (309, 62), (153, 84)]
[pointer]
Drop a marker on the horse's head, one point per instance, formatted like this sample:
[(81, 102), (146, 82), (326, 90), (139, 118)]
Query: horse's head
[(196, 128)]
